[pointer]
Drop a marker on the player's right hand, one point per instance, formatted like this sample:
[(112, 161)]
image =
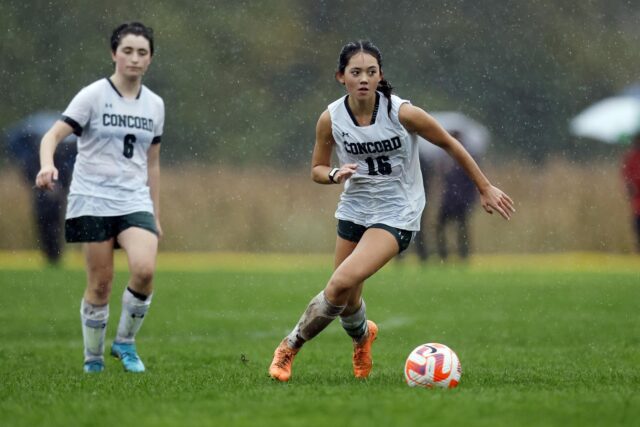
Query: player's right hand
[(47, 177)]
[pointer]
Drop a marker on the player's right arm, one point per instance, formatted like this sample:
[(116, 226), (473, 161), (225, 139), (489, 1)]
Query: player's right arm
[(321, 159), (48, 173)]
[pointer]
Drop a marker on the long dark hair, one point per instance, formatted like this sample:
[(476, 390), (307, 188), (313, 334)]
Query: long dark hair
[(352, 48), (135, 28)]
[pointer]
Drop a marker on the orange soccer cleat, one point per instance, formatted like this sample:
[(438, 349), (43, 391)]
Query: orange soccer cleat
[(362, 362), (280, 368)]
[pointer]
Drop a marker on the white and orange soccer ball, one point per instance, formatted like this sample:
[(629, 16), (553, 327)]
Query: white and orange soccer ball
[(432, 365)]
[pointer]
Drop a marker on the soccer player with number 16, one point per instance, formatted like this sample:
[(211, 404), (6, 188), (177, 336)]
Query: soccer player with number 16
[(375, 136)]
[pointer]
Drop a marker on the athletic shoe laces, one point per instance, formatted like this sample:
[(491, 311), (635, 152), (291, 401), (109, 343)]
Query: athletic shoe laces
[(284, 358)]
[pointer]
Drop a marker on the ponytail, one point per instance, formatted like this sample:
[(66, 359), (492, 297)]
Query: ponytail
[(385, 87)]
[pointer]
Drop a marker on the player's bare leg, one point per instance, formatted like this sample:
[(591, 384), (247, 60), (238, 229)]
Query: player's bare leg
[(94, 307), (318, 315), (141, 247), (374, 250), (354, 318), (344, 248)]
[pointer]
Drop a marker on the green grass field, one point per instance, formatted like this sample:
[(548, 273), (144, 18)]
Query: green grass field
[(542, 341)]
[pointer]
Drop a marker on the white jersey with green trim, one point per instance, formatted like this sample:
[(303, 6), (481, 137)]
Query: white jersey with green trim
[(114, 135), (387, 186)]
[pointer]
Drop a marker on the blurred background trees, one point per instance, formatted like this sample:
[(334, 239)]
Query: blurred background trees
[(244, 82)]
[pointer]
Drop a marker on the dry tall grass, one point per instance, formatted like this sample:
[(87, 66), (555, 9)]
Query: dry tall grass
[(562, 206)]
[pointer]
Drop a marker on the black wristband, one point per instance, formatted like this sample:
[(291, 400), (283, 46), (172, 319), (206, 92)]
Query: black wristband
[(332, 174)]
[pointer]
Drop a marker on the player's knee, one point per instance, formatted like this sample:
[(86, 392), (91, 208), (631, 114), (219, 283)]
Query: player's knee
[(142, 273), (342, 284), (100, 277)]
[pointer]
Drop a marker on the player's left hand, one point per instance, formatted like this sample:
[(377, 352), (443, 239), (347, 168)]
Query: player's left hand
[(495, 199), (345, 172)]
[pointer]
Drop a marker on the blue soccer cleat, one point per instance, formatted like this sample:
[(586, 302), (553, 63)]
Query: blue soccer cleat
[(93, 366), (128, 356)]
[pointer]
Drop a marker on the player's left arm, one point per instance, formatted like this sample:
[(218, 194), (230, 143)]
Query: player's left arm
[(153, 172), (416, 120)]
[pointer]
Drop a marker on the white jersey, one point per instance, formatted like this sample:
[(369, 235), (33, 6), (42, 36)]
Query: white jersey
[(387, 186), (114, 135)]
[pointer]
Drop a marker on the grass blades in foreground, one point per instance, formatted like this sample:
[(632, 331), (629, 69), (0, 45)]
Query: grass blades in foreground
[(540, 348)]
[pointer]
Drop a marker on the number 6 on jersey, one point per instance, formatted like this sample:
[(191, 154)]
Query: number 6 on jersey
[(129, 139)]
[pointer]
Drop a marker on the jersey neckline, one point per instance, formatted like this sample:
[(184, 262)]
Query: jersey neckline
[(118, 92), (374, 115)]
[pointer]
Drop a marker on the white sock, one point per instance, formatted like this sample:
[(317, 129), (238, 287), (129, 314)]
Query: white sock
[(356, 324), (133, 312), (94, 328), (318, 315)]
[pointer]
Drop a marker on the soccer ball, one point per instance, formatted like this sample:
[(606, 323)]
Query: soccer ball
[(432, 365)]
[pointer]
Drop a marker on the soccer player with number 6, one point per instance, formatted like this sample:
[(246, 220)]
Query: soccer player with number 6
[(375, 136), (114, 196)]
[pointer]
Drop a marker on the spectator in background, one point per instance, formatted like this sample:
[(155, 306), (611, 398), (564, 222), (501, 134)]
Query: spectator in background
[(23, 144), (459, 194), (631, 175), (427, 167)]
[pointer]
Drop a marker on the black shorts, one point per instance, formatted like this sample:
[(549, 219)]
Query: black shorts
[(103, 228), (353, 232)]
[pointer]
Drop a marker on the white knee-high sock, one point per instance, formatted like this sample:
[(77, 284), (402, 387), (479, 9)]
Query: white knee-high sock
[(134, 308), (94, 328), (356, 324), (318, 315)]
